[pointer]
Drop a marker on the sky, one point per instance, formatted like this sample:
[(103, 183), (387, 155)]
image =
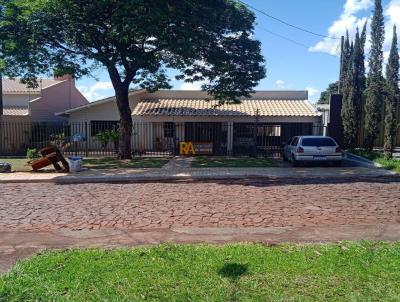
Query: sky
[(307, 61)]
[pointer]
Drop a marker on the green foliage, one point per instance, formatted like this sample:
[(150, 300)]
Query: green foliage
[(114, 163), (345, 56), (325, 95), (103, 137), (345, 271), (382, 159), (375, 81), (17, 164), (393, 95), (353, 90), (60, 140), (108, 136), (114, 137), (23, 52), (32, 153)]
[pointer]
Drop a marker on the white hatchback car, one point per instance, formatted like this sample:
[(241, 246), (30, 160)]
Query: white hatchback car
[(301, 149)]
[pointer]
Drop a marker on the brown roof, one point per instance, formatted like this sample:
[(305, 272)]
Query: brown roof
[(16, 87), (15, 110), (198, 107)]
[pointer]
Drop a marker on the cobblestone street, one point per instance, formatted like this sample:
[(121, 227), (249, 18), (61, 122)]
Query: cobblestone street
[(244, 203)]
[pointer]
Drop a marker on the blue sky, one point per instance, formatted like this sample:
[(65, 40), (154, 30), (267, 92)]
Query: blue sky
[(291, 66)]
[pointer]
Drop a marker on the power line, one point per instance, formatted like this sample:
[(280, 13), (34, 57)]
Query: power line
[(286, 23), (290, 40), (283, 37)]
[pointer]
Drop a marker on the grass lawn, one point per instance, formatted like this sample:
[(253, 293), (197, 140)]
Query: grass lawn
[(388, 163), (363, 271), (17, 164), (112, 163), (230, 162)]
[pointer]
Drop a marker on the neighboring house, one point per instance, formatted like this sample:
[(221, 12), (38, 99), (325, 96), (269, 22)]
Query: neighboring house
[(164, 117), (40, 104), (324, 109), (27, 111), (325, 112)]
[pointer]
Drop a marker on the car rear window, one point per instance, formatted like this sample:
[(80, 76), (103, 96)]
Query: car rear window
[(318, 142)]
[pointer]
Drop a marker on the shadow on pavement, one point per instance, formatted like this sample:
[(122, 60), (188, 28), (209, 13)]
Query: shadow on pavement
[(260, 181)]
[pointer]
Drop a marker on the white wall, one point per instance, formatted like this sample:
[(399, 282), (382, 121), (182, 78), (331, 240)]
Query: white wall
[(107, 111)]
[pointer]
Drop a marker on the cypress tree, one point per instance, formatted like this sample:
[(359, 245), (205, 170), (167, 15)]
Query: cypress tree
[(363, 39), (392, 95), (375, 81), (353, 94), (345, 55)]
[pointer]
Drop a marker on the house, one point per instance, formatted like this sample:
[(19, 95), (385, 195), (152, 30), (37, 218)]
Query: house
[(40, 104), (27, 112), (324, 109), (161, 119)]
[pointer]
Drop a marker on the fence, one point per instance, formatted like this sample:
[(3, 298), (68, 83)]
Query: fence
[(100, 138)]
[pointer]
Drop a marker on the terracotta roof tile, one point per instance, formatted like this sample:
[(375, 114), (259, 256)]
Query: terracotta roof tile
[(199, 107)]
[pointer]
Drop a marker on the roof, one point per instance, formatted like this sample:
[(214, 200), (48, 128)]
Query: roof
[(195, 103), (95, 103), (16, 87), (202, 107), (15, 110)]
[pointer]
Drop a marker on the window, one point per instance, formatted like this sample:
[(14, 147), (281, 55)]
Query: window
[(295, 141), (169, 129), (318, 142), (98, 126)]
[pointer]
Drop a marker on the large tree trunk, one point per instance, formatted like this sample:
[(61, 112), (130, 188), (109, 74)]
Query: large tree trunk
[(122, 96)]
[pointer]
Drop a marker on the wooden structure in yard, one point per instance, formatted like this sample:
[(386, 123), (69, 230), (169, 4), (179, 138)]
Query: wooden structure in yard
[(50, 156)]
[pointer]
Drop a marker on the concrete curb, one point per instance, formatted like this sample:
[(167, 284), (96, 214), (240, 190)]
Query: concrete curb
[(362, 160), (188, 179)]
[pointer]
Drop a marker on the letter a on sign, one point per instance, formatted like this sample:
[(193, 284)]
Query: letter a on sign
[(186, 148)]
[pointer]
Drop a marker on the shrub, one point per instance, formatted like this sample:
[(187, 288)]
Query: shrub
[(32, 153)]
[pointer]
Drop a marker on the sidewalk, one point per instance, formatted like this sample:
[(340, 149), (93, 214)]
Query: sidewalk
[(173, 172)]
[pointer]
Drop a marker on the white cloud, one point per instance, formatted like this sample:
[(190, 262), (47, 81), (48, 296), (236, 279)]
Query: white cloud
[(96, 91), (349, 20), (392, 14), (192, 86), (354, 6), (280, 84), (312, 92)]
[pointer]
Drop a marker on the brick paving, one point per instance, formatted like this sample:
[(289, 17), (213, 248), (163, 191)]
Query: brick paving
[(244, 203)]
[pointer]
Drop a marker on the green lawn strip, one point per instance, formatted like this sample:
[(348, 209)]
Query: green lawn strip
[(230, 162), (113, 163), (17, 164), (388, 163), (363, 271)]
